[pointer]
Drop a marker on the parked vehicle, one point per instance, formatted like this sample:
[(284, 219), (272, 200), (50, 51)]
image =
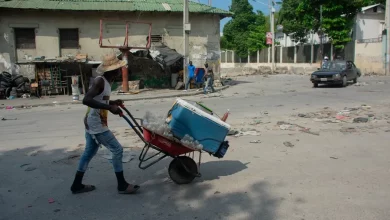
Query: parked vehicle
[(337, 72)]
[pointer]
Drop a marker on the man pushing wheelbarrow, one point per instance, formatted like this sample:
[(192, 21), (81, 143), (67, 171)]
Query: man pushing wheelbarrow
[(96, 130)]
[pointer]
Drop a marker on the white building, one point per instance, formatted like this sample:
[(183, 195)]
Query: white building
[(370, 23)]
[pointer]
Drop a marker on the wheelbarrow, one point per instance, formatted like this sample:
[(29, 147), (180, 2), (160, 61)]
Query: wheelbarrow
[(183, 169)]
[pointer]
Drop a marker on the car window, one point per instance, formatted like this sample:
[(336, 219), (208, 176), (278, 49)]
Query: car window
[(333, 65)]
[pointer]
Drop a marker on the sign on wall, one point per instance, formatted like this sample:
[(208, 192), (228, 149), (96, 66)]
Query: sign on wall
[(269, 38)]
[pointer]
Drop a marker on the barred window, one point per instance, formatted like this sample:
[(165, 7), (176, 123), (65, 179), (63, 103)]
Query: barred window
[(156, 38), (25, 38), (69, 38)]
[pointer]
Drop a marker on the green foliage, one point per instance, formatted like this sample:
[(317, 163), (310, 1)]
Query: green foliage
[(292, 24), (256, 39), (246, 31)]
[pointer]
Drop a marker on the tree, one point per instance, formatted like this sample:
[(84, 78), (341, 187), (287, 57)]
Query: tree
[(243, 33), (292, 24), (299, 17), (337, 18), (256, 38)]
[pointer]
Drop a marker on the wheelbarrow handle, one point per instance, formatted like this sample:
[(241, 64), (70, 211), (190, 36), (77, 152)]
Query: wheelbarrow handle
[(132, 118)]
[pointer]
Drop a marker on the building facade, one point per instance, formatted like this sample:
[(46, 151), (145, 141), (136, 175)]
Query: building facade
[(63, 28)]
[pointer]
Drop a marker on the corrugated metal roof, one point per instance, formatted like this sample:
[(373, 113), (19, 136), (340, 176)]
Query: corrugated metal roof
[(112, 5), (372, 6)]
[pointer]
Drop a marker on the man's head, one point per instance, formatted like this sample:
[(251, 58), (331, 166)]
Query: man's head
[(111, 66), (326, 58), (190, 63)]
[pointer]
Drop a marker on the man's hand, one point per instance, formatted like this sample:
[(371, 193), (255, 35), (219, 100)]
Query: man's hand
[(118, 102), (114, 109)]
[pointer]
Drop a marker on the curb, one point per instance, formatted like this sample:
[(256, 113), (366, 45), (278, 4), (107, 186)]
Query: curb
[(184, 94)]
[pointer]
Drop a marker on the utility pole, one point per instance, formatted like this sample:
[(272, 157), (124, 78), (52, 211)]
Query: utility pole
[(321, 37), (186, 35), (272, 24), (209, 2), (387, 58)]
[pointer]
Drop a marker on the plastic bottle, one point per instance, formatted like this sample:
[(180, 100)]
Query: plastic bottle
[(225, 116)]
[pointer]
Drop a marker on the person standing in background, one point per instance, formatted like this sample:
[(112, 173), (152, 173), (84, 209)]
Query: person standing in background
[(209, 76), (191, 75)]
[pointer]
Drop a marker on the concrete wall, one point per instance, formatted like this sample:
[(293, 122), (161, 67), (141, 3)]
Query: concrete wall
[(369, 25), (369, 58), (204, 38)]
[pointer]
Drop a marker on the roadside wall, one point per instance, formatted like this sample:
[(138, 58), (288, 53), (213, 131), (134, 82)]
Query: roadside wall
[(369, 57)]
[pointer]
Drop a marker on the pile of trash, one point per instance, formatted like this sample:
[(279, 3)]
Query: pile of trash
[(13, 85), (158, 125)]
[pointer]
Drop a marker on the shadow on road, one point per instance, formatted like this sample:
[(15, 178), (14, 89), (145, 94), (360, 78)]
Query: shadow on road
[(32, 178)]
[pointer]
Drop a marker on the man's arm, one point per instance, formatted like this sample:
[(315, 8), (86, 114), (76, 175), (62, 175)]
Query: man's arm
[(96, 89)]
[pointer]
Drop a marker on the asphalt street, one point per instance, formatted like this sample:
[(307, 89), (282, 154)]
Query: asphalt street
[(297, 155)]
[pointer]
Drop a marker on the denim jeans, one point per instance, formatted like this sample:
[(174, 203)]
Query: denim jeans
[(209, 83), (188, 82), (92, 146)]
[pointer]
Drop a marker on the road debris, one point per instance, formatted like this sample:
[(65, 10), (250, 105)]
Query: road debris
[(348, 130), (217, 192), (51, 200), (302, 115), (335, 158), (23, 165), (307, 130), (255, 142), (6, 119), (340, 117), (288, 144), (33, 153), (68, 160), (232, 132), (361, 84), (30, 169), (288, 126), (360, 120), (255, 122), (247, 133), (57, 210)]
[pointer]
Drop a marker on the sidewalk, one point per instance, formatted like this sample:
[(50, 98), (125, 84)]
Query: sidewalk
[(65, 99)]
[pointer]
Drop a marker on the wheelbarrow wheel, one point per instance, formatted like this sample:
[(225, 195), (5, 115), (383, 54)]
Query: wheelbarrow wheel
[(183, 170)]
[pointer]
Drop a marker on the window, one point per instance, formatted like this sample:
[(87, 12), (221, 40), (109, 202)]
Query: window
[(25, 38), (156, 38), (69, 38)]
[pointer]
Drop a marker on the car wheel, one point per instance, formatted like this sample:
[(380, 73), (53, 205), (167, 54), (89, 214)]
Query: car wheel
[(315, 85), (355, 80), (344, 81)]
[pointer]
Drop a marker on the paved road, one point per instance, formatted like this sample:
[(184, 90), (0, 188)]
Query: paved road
[(336, 175)]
